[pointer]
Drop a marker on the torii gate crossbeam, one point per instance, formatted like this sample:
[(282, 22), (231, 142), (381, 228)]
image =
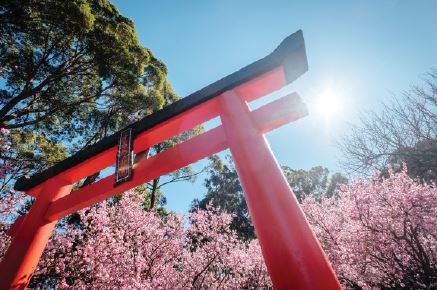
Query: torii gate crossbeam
[(292, 254)]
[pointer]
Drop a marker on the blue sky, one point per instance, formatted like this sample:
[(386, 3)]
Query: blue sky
[(359, 53)]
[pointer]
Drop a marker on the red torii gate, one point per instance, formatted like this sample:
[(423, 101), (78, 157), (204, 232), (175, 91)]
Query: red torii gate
[(291, 252)]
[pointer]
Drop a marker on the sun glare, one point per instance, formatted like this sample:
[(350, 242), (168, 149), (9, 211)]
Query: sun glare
[(328, 104)]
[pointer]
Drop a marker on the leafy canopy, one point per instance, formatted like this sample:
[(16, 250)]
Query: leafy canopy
[(71, 73)]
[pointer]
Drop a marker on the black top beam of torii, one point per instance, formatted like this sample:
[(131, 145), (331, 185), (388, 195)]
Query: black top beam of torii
[(290, 54)]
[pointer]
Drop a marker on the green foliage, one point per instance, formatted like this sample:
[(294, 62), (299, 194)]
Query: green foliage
[(314, 182), (336, 179), (72, 72), (159, 208), (37, 147), (224, 190)]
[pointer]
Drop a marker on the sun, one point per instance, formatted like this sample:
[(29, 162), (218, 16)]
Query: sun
[(328, 104)]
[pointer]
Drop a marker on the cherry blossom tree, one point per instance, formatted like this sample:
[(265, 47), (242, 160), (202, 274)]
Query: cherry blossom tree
[(11, 202), (217, 259), (119, 245), (380, 233), (6, 168)]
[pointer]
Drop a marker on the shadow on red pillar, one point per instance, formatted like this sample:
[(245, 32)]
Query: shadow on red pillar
[(22, 256), (292, 253)]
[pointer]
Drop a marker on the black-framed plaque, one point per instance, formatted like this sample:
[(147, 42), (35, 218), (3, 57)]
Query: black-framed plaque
[(124, 163)]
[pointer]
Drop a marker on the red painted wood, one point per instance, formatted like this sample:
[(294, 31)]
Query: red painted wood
[(285, 110), (143, 141), (13, 230), (22, 256), (292, 253), (279, 112), (168, 161), (262, 85), (251, 90)]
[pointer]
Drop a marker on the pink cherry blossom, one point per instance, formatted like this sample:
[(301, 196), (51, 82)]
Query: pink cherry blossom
[(380, 233), (119, 245)]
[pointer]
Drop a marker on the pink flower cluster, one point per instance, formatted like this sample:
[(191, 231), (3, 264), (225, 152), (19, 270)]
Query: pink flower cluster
[(5, 145), (121, 246), (10, 203), (380, 233)]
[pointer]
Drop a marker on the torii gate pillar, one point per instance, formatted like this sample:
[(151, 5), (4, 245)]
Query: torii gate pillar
[(290, 249), (21, 259)]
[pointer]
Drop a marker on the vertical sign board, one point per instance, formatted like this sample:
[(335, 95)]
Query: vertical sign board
[(124, 162)]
